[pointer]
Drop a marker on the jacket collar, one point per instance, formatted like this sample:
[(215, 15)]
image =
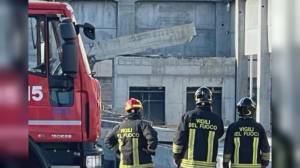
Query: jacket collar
[(246, 118), (204, 108), (132, 116)]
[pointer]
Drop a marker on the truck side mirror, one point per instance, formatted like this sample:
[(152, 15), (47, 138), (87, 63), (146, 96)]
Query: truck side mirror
[(89, 31), (69, 56)]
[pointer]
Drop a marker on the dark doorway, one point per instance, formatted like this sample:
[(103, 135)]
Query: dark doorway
[(153, 99), (217, 99)]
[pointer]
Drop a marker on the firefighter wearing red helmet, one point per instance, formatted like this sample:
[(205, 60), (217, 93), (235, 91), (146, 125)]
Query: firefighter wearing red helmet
[(134, 138)]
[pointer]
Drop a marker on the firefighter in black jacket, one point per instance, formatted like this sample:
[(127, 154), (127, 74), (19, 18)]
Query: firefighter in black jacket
[(246, 143), (196, 141), (134, 138)]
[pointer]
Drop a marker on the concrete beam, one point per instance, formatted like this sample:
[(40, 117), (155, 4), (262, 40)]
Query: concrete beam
[(173, 66), (141, 42), (263, 67), (241, 59)]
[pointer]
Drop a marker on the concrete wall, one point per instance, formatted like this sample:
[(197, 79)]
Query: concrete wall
[(124, 17), (175, 74), (215, 37), (211, 19)]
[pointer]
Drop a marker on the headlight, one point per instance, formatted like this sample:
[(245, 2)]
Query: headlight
[(93, 161)]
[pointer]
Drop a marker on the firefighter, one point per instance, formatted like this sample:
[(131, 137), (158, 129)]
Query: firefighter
[(246, 143), (196, 140), (134, 139)]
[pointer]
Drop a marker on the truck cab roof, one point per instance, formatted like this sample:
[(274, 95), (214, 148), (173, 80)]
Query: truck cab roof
[(51, 6)]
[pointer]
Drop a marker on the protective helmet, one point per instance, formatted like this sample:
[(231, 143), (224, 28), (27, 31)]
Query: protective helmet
[(246, 107), (203, 96), (133, 104)]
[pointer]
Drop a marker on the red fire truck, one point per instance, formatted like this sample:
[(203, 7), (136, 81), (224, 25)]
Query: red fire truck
[(63, 97)]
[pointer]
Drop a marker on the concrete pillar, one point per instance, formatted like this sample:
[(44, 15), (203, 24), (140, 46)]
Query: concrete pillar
[(222, 30), (241, 59), (263, 67), (126, 17), (125, 26)]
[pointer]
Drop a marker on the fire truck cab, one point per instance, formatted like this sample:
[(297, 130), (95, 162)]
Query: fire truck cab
[(64, 102)]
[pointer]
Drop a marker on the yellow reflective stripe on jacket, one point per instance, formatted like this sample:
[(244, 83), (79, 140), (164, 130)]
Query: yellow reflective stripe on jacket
[(246, 166), (121, 155), (194, 163), (236, 150), (255, 148), (135, 148), (192, 134), (177, 148), (265, 156), (210, 146), (137, 166), (136, 158)]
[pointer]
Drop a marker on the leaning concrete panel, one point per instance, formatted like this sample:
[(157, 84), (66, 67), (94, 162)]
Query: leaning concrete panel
[(141, 42), (101, 34), (204, 44)]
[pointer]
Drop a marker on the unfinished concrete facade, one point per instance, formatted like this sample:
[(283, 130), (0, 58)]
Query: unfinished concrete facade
[(176, 75), (175, 68), (206, 60)]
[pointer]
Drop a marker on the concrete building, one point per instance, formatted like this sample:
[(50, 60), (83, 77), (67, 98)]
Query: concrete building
[(165, 78), (169, 80)]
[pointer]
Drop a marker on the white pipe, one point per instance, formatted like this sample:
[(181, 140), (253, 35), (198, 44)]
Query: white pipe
[(251, 77)]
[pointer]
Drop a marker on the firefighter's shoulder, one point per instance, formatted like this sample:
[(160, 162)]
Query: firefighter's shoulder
[(116, 127), (125, 124), (189, 113), (145, 122), (147, 126), (215, 115), (259, 126), (233, 127), (252, 122)]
